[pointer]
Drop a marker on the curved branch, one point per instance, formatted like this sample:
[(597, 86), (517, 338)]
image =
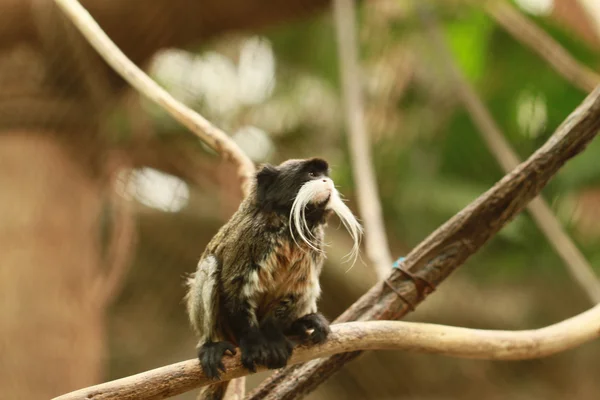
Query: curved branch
[(204, 129), (376, 243), (178, 378), (542, 43), (450, 245)]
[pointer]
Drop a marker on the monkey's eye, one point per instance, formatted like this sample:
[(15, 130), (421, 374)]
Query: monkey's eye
[(312, 175)]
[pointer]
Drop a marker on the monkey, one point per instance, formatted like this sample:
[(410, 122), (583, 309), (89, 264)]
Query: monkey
[(257, 281)]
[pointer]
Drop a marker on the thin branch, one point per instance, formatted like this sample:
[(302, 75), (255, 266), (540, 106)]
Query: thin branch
[(458, 342), (577, 265), (206, 131), (579, 268), (449, 246), (376, 243), (543, 44)]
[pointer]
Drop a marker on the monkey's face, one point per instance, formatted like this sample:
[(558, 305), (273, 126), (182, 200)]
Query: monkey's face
[(303, 190), (306, 181)]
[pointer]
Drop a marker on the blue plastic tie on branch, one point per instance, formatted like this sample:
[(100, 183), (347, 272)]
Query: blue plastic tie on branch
[(396, 263)]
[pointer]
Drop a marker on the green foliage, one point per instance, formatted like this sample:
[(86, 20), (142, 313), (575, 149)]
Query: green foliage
[(308, 45), (469, 37), (436, 163)]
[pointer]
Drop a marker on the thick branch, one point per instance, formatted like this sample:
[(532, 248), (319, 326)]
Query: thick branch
[(376, 244), (178, 378), (574, 260), (450, 245), (542, 43), (206, 131)]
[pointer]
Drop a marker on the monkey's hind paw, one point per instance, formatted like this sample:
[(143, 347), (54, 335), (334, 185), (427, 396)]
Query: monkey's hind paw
[(316, 322), (211, 357)]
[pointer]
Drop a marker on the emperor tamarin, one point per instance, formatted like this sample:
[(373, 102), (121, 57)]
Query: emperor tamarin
[(257, 281)]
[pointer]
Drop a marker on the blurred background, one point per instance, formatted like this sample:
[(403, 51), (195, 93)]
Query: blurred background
[(106, 202)]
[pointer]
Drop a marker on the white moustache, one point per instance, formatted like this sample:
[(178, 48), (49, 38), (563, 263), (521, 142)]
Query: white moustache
[(315, 192)]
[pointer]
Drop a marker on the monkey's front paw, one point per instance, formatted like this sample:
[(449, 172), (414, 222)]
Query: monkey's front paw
[(315, 322), (272, 352), (211, 357)]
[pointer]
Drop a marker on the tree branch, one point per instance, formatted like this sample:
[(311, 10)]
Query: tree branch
[(236, 390), (376, 243), (576, 264), (450, 245), (543, 44), (178, 378), (206, 131)]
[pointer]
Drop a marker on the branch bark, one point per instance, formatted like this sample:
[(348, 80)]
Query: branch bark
[(204, 129), (543, 44), (178, 378), (450, 245), (376, 243)]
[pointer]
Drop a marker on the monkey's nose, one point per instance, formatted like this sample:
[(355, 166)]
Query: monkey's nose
[(324, 180)]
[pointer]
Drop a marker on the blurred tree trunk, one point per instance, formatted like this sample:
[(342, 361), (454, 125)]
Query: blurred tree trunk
[(51, 333)]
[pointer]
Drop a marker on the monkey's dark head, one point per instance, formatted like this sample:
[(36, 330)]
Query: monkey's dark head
[(303, 191), (294, 181)]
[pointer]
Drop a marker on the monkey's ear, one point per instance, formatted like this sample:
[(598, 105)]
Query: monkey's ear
[(264, 178)]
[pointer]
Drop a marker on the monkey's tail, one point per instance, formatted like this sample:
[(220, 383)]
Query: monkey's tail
[(213, 392)]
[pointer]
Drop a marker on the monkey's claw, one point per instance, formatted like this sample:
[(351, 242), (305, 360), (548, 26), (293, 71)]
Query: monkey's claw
[(316, 322), (211, 357)]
